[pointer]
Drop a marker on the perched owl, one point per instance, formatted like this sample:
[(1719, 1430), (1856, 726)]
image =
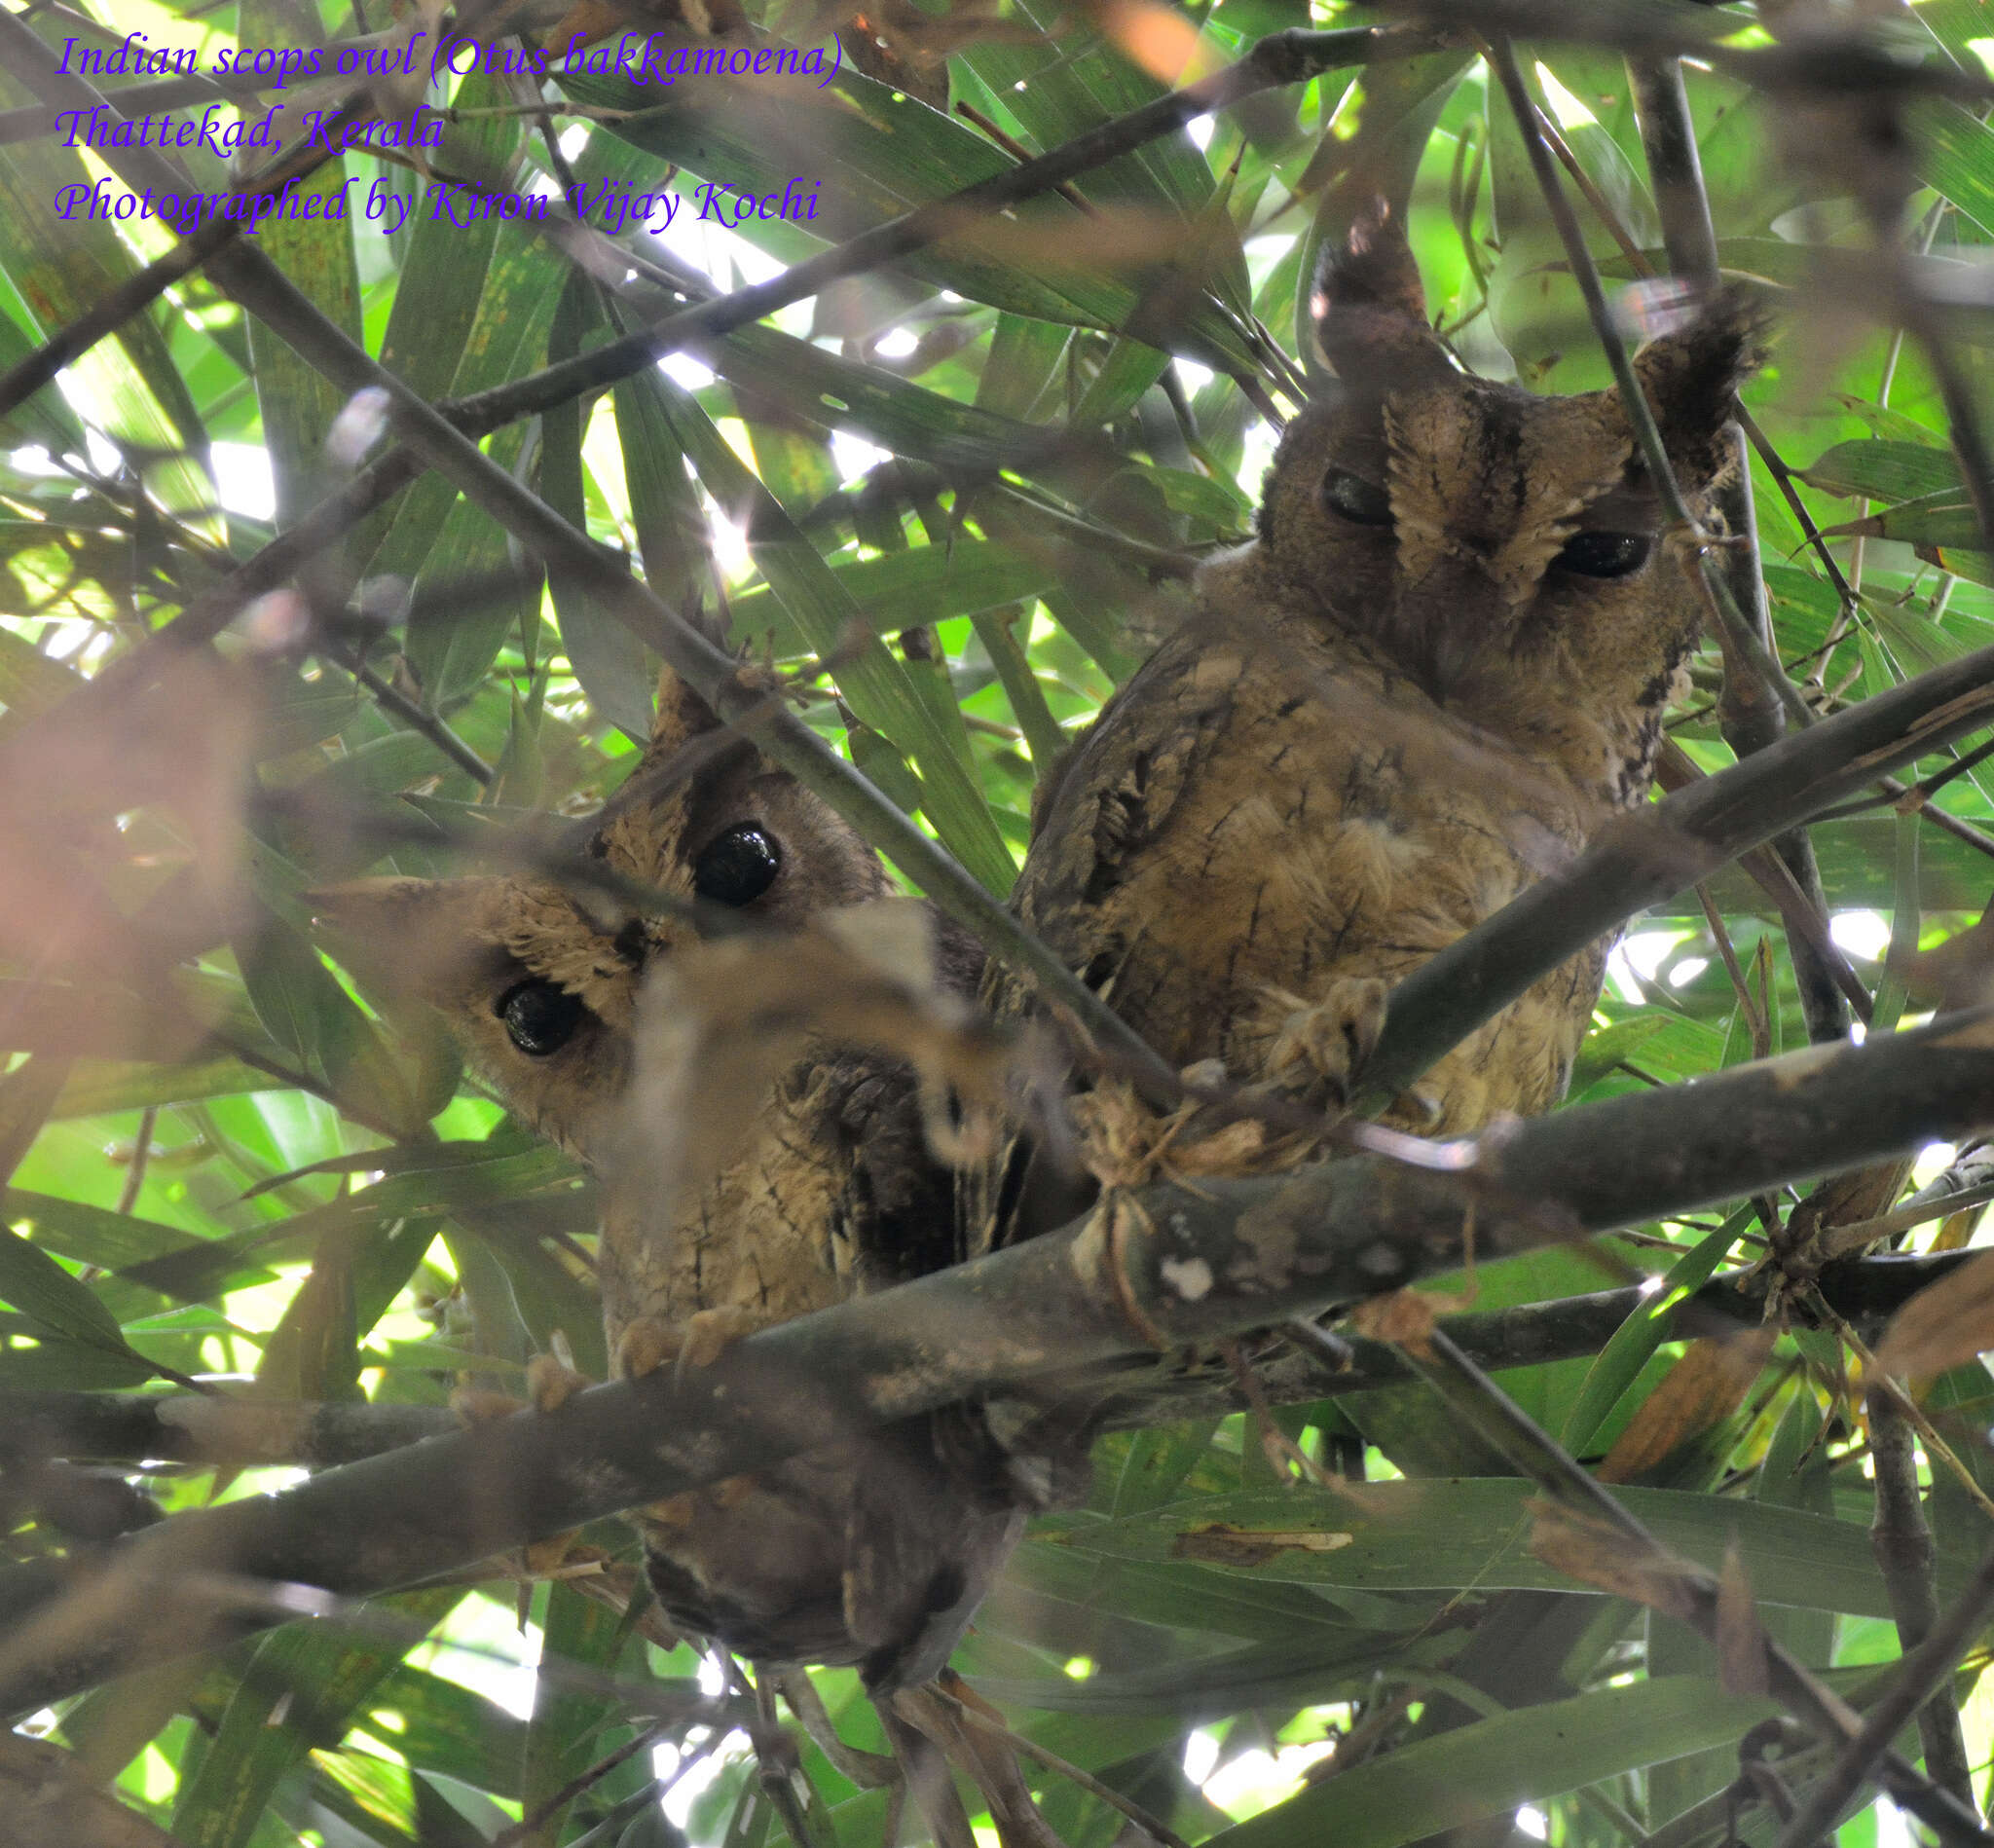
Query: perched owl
[(874, 1553), (1440, 666)]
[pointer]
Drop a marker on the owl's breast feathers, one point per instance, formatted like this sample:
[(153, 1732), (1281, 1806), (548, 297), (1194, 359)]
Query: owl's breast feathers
[(874, 1553), (1270, 804)]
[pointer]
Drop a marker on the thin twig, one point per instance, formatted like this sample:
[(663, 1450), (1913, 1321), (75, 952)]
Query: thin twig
[(1806, 922), (1226, 1256), (1748, 1002), (1750, 710), (713, 675), (430, 726), (141, 1154), (1919, 1212), (1647, 435), (1937, 1449), (1150, 1823), (1473, 1395), (1279, 59), (1919, 1676), (579, 1785), (1902, 1539)]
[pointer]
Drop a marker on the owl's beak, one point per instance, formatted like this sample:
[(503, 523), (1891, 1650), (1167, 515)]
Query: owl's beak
[(1440, 624)]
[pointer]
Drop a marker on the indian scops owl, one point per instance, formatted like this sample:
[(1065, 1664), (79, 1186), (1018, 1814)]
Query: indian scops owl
[(1440, 666), (874, 1553)]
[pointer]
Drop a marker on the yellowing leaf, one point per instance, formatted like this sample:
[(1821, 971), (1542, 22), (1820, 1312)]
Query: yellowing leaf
[(1944, 1325)]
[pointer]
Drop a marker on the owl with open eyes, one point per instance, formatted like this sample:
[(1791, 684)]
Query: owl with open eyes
[(1441, 665), (874, 1553)]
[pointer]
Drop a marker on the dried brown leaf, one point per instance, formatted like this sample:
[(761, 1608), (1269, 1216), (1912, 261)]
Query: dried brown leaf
[(1946, 1324), (1404, 1316), (1700, 1390), (1220, 1544), (1742, 1664), (1601, 1555)]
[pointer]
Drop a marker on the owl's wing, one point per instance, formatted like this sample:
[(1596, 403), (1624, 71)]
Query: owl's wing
[(1113, 800)]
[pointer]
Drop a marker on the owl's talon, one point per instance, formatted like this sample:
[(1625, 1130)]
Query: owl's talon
[(1326, 1043), (482, 1405), (645, 1345), (1424, 1106), (710, 1332), (550, 1382), (650, 1342)]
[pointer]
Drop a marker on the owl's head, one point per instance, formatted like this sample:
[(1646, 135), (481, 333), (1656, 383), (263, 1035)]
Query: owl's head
[(537, 982), (1473, 528)]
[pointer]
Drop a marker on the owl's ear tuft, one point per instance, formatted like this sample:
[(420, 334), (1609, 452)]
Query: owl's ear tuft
[(1690, 377), (681, 717), (1369, 307)]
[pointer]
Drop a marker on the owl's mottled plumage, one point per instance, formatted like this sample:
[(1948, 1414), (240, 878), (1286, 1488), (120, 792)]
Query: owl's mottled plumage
[(1440, 667), (874, 1553)]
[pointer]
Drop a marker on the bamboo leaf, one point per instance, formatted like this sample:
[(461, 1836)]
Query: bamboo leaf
[(1494, 1765), (825, 611)]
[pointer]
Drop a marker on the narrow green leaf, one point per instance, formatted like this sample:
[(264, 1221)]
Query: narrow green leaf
[(1957, 157), (1886, 471), (1474, 1531), (1494, 1765), (39, 1287), (869, 678), (1619, 1362), (564, 1736), (301, 1684), (879, 154), (924, 584), (607, 659)]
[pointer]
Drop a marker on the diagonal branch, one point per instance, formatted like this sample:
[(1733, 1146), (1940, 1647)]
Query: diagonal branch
[(1663, 850), (1905, 1554), (1169, 1266), (1751, 713), (1920, 1675), (263, 288), (1741, 636), (1691, 1593), (1286, 57), (206, 1429)]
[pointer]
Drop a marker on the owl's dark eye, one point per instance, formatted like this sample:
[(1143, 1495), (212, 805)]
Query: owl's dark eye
[(1356, 499), (1605, 554), (739, 865), (541, 1017)]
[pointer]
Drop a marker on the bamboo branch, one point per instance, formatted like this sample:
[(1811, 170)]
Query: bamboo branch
[(206, 1428), (1168, 1265), (1749, 712), (1691, 1593), (1281, 58), (1665, 849), (1740, 635), (1920, 1674), (257, 282), (1905, 1554)]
